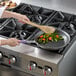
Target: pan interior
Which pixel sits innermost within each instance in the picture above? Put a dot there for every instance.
(55, 45)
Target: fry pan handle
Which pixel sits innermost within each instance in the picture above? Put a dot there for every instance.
(27, 42)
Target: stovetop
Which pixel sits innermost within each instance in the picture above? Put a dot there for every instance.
(11, 27)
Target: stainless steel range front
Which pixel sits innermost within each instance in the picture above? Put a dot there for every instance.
(29, 59)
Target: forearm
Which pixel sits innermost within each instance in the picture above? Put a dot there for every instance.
(8, 14)
(10, 42)
(3, 42)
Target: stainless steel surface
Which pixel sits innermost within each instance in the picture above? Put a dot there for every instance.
(67, 66)
(20, 48)
(5, 71)
(36, 52)
(68, 6)
(42, 58)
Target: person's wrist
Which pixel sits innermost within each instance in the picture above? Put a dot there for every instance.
(0, 42)
(4, 42)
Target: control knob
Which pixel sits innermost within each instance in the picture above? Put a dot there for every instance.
(47, 70)
(1, 55)
(12, 60)
(32, 65)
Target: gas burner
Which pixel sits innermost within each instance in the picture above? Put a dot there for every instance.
(34, 13)
(12, 28)
(60, 17)
(36, 18)
(8, 24)
(20, 34)
(70, 28)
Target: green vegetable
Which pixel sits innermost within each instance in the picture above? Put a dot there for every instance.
(45, 38)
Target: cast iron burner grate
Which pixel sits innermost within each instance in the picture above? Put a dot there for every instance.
(12, 28)
(60, 17)
(2, 20)
(36, 14)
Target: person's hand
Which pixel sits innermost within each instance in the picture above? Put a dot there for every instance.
(12, 42)
(20, 17)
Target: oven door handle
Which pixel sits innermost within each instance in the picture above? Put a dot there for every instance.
(6, 65)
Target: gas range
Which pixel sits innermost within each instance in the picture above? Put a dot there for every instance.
(39, 15)
(29, 58)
